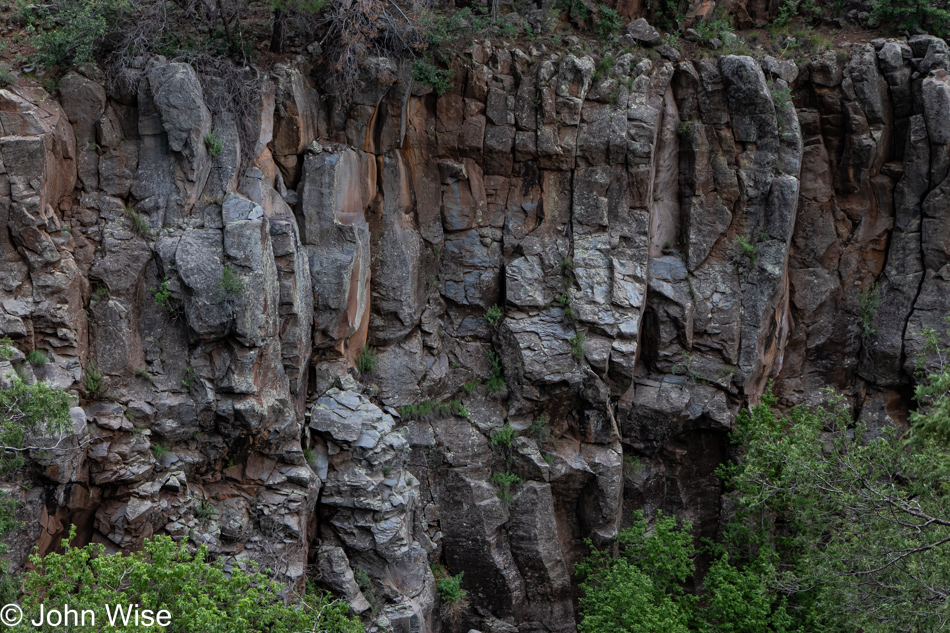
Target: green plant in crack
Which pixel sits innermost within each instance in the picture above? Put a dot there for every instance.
(868, 303)
(93, 381)
(204, 511)
(540, 428)
(504, 436)
(213, 144)
(577, 345)
(163, 296)
(231, 285)
(366, 360)
(747, 248)
(496, 383)
(504, 481)
(188, 376)
(493, 315)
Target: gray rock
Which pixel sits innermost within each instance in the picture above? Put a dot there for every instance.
(641, 32)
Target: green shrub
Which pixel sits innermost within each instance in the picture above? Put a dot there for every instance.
(504, 436)
(539, 427)
(496, 383)
(781, 97)
(139, 225)
(205, 510)
(159, 451)
(746, 248)
(188, 376)
(450, 588)
(36, 357)
(6, 348)
(493, 315)
(366, 586)
(25, 409)
(366, 360)
(868, 303)
(911, 14)
(577, 345)
(231, 285)
(7, 76)
(163, 296)
(505, 481)
(607, 23)
(213, 144)
(426, 73)
(417, 411)
(100, 293)
(603, 67)
(470, 386)
(68, 32)
(93, 381)
(164, 575)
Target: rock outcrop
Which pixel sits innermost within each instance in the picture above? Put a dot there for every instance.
(550, 275)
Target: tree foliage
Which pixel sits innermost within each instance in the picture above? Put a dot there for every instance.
(200, 596)
(642, 590)
(837, 527)
(930, 15)
(856, 517)
(26, 409)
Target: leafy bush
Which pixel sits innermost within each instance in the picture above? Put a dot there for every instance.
(139, 225)
(746, 248)
(213, 144)
(426, 73)
(205, 510)
(231, 284)
(539, 427)
(607, 23)
(642, 590)
(493, 315)
(470, 386)
(868, 303)
(93, 381)
(454, 598)
(781, 97)
(164, 575)
(160, 451)
(26, 409)
(163, 296)
(7, 76)
(911, 14)
(68, 32)
(504, 436)
(504, 481)
(450, 588)
(366, 360)
(6, 348)
(36, 357)
(496, 383)
(577, 345)
(366, 586)
(856, 519)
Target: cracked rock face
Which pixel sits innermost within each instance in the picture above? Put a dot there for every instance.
(472, 329)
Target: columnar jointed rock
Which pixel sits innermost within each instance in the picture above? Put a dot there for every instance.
(567, 276)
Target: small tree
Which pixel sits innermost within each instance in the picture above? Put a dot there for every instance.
(199, 595)
(26, 409)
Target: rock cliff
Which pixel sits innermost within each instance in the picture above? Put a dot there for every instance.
(610, 264)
